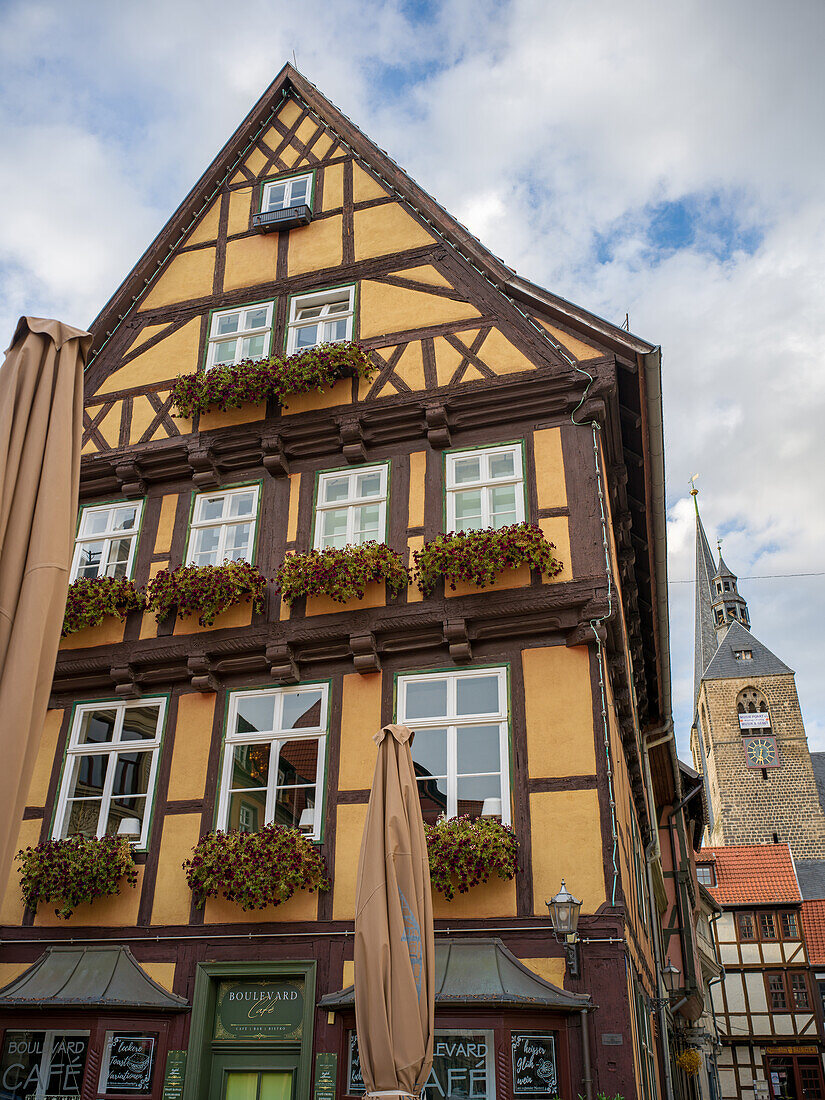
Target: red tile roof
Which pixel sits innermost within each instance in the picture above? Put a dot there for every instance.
(752, 874)
(813, 925)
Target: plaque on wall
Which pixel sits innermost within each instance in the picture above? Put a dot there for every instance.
(534, 1063)
(130, 1062)
(326, 1076)
(269, 1008)
(175, 1075)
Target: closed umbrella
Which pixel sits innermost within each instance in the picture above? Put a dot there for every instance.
(41, 410)
(394, 948)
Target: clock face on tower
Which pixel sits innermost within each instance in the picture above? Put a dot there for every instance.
(761, 752)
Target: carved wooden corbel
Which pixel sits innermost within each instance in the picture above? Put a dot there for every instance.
(282, 664)
(364, 653)
(438, 427)
(204, 470)
(457, 638)
(127, 472)
(273, 455)
(200, 672)
(352, 439)
(124, 680)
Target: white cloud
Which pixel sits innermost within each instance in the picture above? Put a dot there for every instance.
(554, 130)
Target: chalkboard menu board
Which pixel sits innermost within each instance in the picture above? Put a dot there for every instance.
(534, 1063)
(326, 1076)
(130, 1062)
(175, 1075)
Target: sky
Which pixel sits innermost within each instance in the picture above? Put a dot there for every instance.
(663, 162)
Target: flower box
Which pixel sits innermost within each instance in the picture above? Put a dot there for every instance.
(71, 872)
(205, 590)
(90, 599)
(465, 852)
(341, 574)
(478, 557)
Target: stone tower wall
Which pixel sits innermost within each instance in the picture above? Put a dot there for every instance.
(748, 808)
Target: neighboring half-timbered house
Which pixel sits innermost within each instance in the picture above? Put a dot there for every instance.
(542, 700)
(765, 1006)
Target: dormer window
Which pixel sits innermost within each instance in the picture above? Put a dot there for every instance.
(237, 334)
(285, 194)
(324, 317)
(743, 654)
(706, 874)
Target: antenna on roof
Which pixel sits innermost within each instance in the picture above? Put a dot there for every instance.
(294, 60)
(626, 325)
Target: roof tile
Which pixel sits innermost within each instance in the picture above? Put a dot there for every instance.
(813, 924)
(752, 874)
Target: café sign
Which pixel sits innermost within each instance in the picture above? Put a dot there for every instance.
(264, 1009)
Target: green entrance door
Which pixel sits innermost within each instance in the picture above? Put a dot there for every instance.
(252, 1077)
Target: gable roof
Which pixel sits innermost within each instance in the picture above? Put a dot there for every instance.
(289, 82)
(813, 925)
(752, 874)
(725, 666)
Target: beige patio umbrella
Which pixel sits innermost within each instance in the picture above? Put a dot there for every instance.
(41, 410)
(394, 948)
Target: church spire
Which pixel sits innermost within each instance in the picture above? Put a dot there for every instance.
(705, 640)
(728, 606)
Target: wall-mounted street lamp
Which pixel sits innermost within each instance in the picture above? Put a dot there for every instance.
(564, 912)
(670, 977)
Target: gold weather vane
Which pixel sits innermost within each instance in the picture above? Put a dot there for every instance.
(692, 483)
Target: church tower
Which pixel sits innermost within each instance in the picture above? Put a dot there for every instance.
(748, 738)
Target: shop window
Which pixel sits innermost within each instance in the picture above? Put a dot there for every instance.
(485, 488)
(237, 334)
(43, 1065)
(461, 746)
(463, 1066)
(106, 540)
(128, 1063)
(111, 763)
(324, 317)
(351, 507)
(223, 527)
(273, 760)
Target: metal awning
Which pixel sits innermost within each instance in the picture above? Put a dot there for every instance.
(88, 977)
(482, 972)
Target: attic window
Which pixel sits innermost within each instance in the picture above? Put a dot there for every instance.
(706, 874)
(285, 194)
(743, 654)
(325, 317)
(237, 334)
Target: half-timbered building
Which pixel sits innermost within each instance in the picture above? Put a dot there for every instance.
(542, 700)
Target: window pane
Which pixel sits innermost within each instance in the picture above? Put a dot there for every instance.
(210, 508)
(97, 727)
(95, 522)
(334, 527)
(503, 499)
(503, 519)
(124, 808)
(746, 929)
(335, 489)
(206, 541)
(132, 773)
(88, 563)
(224, 351)
(425, 699)
(238, 541)
(250, 766)
(367, 523)
(302, 710)
(340, 305)
(468, 509)
(276, 1085)
(256, 714)
(89, 776)
(140, 724)
(246, 812)
(477, 695)
(241, 1086)
(429, 753)
(335, 330)
(83, 818)
(27, 1071)
(478, 749)
(290, 803)
(307, 312)
(298, 762)
(307, 337)
(472, 793)
(368, 485)
(241, 504)
(767, 926)
(124, 519)
(275, 196)
(118, 557)
(502, 464)
(256, 318)
(789, 925)
(253, 346)
(298, 191)
(227, 323)
(466, 469)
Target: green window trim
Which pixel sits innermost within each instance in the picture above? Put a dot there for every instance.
(354, 469)
(451, 451)
(256, 483)
(139, 502)
(232, 309)
(284, 177)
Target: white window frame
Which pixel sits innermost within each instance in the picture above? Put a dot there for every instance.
(453, 722)
(351, 502)
(241, 334)
(196, 524)
(319, 298)
(274, 738)
(288, 202)
(108, 536)
(485, 482)
(109, 748)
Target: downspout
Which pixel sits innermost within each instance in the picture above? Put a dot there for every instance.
(651, 851)
(686, 956)
(587, 1076)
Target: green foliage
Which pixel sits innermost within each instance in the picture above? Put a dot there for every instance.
(340, 574)
(464, 853)
(74, 871)
(279, 377)
(90, 599)
(478, 557)
(206, 590)
(255, 870)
